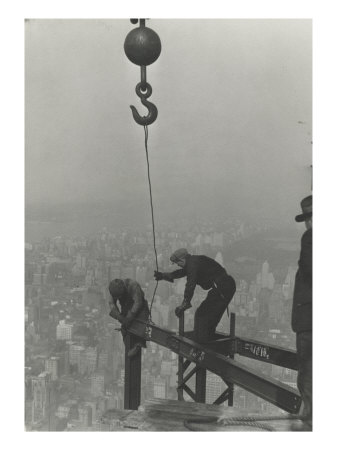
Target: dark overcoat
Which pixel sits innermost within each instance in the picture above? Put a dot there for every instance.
(301, 319)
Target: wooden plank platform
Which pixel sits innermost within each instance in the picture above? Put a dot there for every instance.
(169, 415)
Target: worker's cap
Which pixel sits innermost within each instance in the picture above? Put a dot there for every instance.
(306, 205)
(179, 254)
(116, 288)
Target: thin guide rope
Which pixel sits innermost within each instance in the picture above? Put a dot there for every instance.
(152, 215)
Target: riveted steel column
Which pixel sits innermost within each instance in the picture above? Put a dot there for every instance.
(181, 362)
(133, 374)
(232, 335)
(200, 385)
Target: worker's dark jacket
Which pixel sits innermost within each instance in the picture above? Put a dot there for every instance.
(200, 270)
(133, 302)
(302, 303)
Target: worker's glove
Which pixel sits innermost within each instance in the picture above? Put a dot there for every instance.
(115, 314)
(163, 276)
(158, 275)
(179, 311)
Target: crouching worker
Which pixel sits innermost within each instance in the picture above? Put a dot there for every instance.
(211, 276)
(132, 305)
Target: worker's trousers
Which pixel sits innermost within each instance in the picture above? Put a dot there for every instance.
(143, 315)
(304, 374)
(211, 310)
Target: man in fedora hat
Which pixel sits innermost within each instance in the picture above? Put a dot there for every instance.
(211, 276)
(301, 320)
(132, 303)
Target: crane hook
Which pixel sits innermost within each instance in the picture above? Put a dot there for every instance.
(153, 111)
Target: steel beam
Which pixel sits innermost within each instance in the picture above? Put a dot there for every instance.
(190, 393)
(222, 398)
(234, 372)
(200, 384)
(187, 377)
(271, 354)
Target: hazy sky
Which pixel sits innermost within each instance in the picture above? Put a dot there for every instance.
(234, 123)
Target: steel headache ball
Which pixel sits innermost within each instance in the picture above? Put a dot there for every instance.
(142, 46)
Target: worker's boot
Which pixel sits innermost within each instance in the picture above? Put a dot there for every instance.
(134, 351)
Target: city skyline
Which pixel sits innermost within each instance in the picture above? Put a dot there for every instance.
(74, 356)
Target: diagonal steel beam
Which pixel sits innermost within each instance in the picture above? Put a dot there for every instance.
(222, 398)
(190, 392)
(234, 372)
(188, 376)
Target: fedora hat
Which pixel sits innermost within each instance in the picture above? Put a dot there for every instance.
(306, 205)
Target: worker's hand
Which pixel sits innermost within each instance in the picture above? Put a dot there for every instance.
(179, 311)
(115, 314)
(158, 275)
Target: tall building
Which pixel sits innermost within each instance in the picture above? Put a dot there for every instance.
(41, 389)
(64, 331)
(214, 387)
(219, 259)
(85, 415)
(289, 283)
(37, 279)
(52, 367)
(98, 384)
(88, 360)
(271, 281)
(75, 354)
(265, 275)
(159, 388)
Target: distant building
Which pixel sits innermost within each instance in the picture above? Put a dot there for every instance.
(159, 388)
(75, 354)
(52, 367)
(214, 387)
(85, 415)
(265, 275)
(64, 331)
(87, 360)
(41, 387)
(98, 384)
(219, 259)
(37, 279)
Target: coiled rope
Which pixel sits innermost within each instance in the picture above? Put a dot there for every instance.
(247, 421)
(152, 215)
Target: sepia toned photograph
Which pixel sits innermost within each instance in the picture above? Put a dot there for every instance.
(168, 225)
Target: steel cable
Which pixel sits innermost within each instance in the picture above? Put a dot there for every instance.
(152, 215)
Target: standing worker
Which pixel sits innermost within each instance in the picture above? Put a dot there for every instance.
(301, 320)
(132, 304)
(207, 273)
